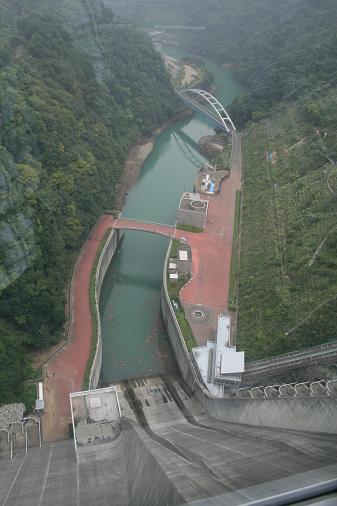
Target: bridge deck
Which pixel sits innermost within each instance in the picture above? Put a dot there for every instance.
(145, 226)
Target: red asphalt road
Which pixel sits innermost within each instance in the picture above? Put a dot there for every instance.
(212, 249)
(64, 373)
(211, 264)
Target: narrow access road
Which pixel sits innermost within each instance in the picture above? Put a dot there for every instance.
(212, 253)
(64, 372)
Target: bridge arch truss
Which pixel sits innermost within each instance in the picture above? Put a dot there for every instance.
(216, 107)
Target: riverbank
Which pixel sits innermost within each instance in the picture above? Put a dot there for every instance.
(130, 174)
(137, 157)
(65, 371)
(182, 74)
(60, 374)
(131, 346)
(208, 290)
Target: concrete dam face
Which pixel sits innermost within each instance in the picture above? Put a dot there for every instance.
(167, 449)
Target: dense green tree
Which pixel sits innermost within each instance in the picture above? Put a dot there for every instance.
(77, 89)
(14, 365)
(279, 49)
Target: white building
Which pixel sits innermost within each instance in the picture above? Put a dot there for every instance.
(220, 365)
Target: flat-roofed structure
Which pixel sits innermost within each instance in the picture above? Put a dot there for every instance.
(219, 364)
(39, 402)
(94, 415)
(229, 363)
(204, 360)
(184, 258)
(192, 210)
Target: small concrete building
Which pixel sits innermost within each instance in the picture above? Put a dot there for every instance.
(94, 414)
(184, 258)
(192, 210)
(172, 269)
(229, 363)
(219, 364)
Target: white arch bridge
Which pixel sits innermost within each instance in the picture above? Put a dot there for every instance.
(208, 105)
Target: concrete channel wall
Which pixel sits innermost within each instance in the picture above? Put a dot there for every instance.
(105, 258)
(147, 482)
(182, 355)
(310, 414)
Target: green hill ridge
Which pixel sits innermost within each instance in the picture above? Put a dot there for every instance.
(77, 89)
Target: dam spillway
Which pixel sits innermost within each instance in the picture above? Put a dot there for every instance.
(168, 449)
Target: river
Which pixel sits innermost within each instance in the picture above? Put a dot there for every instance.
(134, 342)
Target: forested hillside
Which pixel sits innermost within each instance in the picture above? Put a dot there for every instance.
(277, 49)
(77, 89)
(286, 54)
(79, 85)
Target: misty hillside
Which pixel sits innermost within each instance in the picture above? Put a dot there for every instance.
(80, 84)
(277, 49)
(77, 89)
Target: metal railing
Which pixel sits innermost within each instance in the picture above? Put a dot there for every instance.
(316, 389)
(292, 359)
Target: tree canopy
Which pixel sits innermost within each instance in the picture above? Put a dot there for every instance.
(77, 89)
(278, 49)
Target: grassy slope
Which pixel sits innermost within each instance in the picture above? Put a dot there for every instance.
(288, 211)
(174, 288)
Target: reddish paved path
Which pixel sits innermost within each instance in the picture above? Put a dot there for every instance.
(211, 259)
(64, 373)
(212, 263)
(212, 251)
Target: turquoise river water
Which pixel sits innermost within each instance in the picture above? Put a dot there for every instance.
(134, 342)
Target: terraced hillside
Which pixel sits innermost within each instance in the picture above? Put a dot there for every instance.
(288, 283)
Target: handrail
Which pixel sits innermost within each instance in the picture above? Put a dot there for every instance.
(144, 222)
(308, 353)
(99, 336)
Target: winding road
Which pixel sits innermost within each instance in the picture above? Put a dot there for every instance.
(64, 371)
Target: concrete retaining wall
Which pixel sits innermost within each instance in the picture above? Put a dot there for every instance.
(176, 338)
(148, 484)
(105, 258)
(310, 414)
